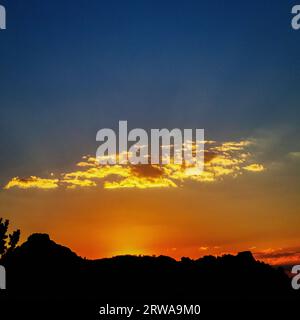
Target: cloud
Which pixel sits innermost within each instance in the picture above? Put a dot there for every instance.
(73, 183)
(221, 160)
(233, 145)
(203, 248)
(279, 256)
(147, 170)
(32, 182)
(140, 183)
(255, 167)
(294, 155)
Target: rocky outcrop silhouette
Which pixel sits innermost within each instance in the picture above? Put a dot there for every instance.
(42, 268)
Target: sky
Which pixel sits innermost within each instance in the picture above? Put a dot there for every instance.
(70, 68)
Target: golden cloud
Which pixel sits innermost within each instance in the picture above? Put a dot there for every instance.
(73, 183)
(140, 183)
(227, 159)
(255, 167)
(32, 182)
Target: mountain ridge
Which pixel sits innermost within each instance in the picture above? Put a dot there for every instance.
(41, 267)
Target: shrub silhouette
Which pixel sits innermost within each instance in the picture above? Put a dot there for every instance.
(8, 242)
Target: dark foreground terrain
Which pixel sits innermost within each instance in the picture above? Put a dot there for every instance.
(42, 275)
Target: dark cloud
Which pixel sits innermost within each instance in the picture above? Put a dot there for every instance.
(147, 170)
(208, 156)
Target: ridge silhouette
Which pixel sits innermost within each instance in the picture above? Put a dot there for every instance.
(42, 268)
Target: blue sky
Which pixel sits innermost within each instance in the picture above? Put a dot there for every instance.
(69, 68)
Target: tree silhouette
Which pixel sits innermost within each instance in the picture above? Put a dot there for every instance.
(8, 242)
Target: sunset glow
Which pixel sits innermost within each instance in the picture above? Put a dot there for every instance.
(70, 70)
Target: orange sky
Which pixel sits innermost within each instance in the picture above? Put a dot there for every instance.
(185, 65)
(236, 205)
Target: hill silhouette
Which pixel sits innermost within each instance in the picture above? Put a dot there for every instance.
(42, 268)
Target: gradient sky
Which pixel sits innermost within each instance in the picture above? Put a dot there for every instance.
(70, 68)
